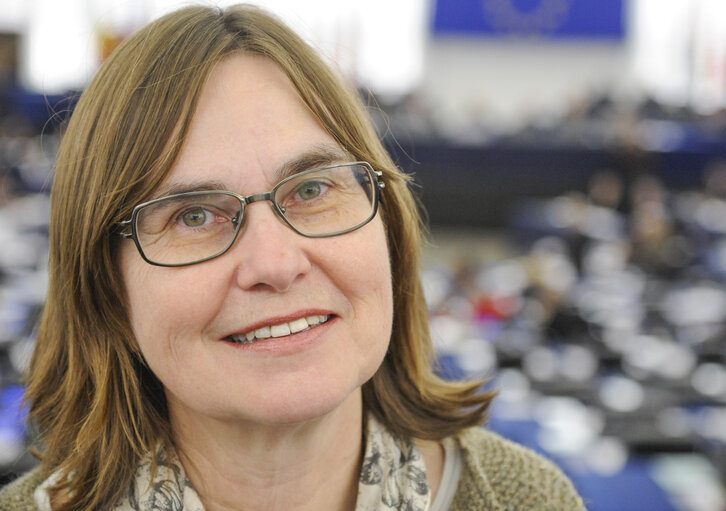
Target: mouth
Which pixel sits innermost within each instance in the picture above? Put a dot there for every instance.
(280, 329)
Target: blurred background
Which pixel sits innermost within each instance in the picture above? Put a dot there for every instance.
(571, 158)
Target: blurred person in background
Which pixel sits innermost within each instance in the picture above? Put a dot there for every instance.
(201, 351)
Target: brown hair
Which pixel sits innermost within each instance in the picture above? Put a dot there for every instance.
(96, 406)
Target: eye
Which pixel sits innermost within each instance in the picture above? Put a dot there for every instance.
(194, 217)
(310, 190)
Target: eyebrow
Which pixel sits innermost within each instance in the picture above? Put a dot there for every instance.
(193, 186)
(318, 156)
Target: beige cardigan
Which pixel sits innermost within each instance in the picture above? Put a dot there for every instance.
(497, 475)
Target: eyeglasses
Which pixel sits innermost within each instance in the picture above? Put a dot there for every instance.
(193, 227)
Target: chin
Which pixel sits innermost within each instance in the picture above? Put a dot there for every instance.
(302, 409)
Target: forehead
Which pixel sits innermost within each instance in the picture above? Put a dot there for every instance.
(249, 123)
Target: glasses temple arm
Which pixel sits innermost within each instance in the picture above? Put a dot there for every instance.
(120, 229)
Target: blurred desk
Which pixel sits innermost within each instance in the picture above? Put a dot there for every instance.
(630, 489)
(478, 185)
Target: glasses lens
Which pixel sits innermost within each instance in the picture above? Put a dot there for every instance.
(328, 201)
(181, 229)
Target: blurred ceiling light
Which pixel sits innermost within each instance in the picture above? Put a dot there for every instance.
(377, 45)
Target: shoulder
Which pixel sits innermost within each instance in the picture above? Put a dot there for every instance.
(18, 494)
(501, 474)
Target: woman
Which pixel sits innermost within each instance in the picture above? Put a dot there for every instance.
(202, 351)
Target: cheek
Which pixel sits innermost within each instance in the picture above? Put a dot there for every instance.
(364, 267)
(367, 283)
(142, 300)
(161, 305)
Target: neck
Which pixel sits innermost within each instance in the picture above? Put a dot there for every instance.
(250, 467)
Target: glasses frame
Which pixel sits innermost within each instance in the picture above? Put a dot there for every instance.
(375, 175)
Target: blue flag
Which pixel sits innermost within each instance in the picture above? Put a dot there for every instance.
(581, 19)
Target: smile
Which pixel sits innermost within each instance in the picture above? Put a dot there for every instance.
(280, 330)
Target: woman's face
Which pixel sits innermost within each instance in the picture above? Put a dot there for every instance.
(250, 123)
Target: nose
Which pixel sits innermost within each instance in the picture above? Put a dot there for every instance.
(268, 254)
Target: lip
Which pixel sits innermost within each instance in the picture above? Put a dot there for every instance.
(288, 344)
(276, 320)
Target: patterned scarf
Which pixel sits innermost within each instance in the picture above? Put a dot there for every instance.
(393, 477)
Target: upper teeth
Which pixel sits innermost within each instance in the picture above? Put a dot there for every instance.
(280, 330)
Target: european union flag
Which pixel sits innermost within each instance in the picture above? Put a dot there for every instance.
(591, 19)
